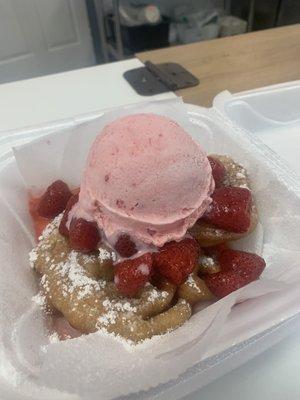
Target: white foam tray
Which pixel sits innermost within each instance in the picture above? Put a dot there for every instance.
(272, 115)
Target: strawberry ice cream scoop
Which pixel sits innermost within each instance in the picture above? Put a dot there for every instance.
(147, 177)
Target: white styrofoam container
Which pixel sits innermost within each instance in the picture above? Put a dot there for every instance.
(268, 114)
(271, 114)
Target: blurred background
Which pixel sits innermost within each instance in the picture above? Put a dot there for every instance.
(39, 37)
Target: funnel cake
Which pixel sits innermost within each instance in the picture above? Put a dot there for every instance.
(81, 288)
(206, 233)
(128, 255)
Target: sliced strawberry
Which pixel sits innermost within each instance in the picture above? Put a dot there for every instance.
(125, 246)
(223, 283)
(63, 230)
(54, 200)
(248, 265)
(230, 209)
(132, 275)
(39, 223)
(238, 269)
(176, 260)
(84, 235)
(218, 171)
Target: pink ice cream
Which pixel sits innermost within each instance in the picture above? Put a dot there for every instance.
(147, 177)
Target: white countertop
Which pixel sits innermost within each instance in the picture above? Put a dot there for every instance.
(61, 96)
(271, 376)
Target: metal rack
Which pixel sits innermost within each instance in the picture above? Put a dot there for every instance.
(115, 49)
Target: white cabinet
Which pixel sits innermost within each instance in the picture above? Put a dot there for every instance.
(39, 37)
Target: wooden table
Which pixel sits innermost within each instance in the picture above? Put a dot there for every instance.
(235, 63)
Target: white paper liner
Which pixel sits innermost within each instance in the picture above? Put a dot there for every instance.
(97, 365)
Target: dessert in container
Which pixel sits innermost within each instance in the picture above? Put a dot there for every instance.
(96, 365)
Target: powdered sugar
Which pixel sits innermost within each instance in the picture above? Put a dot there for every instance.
(78, 280)
(45, 283)
(72, 276)
(235, 174)
(87, 258)
(109, 318)
(51, 227)
(113, 309)
(105, 255)
(39, 299)
(128, 344)
(33, 256)
(207, 261)
(191, 282)
(155, 294)
(143, 269)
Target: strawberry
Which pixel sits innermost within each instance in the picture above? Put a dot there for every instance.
(125, 246)
(218, 171)
(223, 283)
(230, 209)
(176, 260)
(238, 269)
(63, 230)
(131, 275)
(54, 200)
(248, 265)
(84, 235)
